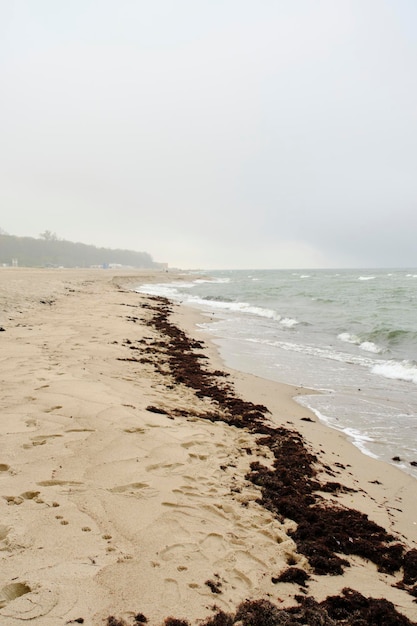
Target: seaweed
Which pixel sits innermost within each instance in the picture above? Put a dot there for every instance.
(292, 575)
(290, 489)
(350, 608)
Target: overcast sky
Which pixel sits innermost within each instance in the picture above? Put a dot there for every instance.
(213, 133)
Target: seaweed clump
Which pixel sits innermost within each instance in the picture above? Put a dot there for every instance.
(292, 575)
(409, 581)
(350, 608)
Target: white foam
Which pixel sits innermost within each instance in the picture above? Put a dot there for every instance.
(172, 292)
(165, 290)
(238, 307)
(316, 351)
(366, 278)
(369, 346)
(360, 440)
(357, 438)
(396, 370)
(216, 281)
(256, 310)
(289, 322)
(348, 338)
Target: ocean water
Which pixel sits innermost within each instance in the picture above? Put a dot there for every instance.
(350, 334)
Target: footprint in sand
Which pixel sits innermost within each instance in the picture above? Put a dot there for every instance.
(42, 437)
(178, 551)
(28, 446)
(30, 495)
(163, 469)
(53, 408)
(214, 545)
(138, 430)
(192, 447)
(53, 483)
(171, 594)
(79, 430)
(72, 485)
(21, 602)
(189, 490)
(240, 578)
(11, 592)
(4, 531)
(4, 467)
(221, 450)
(39, 440)
(199, 457)
(26, 495)
(13, 499)
(137, 490)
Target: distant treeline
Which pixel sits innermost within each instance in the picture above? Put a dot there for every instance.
(49, 251)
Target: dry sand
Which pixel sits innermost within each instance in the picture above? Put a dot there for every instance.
(109, 508)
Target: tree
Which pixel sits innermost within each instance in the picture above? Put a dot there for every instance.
(48, 236)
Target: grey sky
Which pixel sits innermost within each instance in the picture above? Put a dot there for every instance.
(233, 133)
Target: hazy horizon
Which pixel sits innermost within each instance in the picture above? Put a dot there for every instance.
(226, 269)
(214, 135)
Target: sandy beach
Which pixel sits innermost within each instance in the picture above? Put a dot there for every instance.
(140, 479)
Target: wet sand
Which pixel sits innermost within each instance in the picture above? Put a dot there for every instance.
(141, 479)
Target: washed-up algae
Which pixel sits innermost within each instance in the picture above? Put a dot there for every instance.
(290, 490)
(348, 609)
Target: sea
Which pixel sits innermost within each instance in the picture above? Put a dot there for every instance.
(349, 334)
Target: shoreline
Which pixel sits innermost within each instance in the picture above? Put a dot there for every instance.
(147, 499)
(382, 487)
(356, 438)
(357, 394)
(293, 391)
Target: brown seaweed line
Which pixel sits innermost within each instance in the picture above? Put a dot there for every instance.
(350, 608)
(288, 490)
